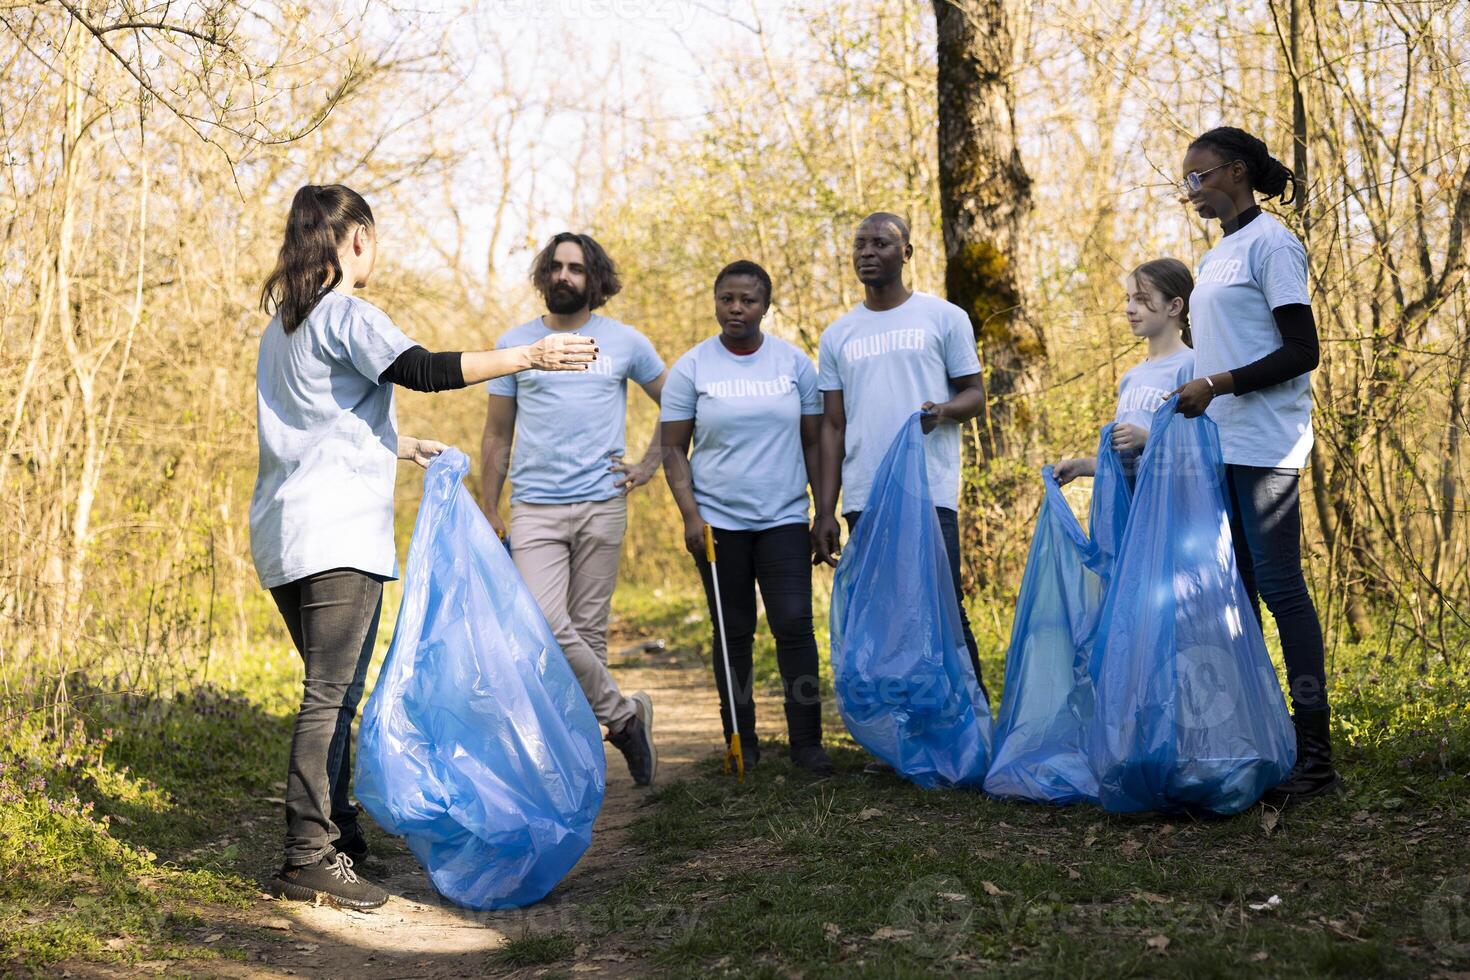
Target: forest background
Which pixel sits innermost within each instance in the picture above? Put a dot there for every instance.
(148, 153)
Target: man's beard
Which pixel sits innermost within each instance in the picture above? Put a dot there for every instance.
(562, 300)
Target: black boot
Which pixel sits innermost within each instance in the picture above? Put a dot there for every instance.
(812, 760)
(750, 749)
(804, 731)
(1313, 774)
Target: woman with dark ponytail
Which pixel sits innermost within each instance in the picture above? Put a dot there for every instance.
(1255, 345)
(321, 519)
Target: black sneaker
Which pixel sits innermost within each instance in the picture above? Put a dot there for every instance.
(812, 759)
(351, 842)
(330, 880)
(635, 741)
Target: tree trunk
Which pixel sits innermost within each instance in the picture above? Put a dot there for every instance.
(985, 195)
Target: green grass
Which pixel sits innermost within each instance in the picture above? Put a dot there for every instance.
(874, 877)
(103, 830)
(534, 949)
(134, 836)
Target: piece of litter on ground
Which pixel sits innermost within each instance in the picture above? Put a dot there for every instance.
(954, 896)
(832, 930)
(213, 937)
(992, 889)
(1274, 902)
(1159, 943)
(870, 813)
(888, 932)
(281, 925)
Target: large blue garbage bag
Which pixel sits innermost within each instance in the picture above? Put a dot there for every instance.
(1188, 713)
(1040, 734)
(477, 746)
(900, 669)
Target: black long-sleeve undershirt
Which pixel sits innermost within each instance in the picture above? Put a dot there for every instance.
(420, 370)
(1299, 352)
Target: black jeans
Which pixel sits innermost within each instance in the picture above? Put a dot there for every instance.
(1266, 523)
(333, 619)
(780, 560)
(949, 525)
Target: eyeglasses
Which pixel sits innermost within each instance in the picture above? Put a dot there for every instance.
(1194, 180)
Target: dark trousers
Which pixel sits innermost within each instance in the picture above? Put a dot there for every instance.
(949, 526)
(333, 619)
(779, 560)
(1266, 523)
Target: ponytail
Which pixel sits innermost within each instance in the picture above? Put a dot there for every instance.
(1267, 174)
(307, 267)
(1173, 279)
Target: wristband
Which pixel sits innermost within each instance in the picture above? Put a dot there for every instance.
(1211, 382)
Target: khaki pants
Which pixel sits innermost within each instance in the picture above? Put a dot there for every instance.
(568, 554)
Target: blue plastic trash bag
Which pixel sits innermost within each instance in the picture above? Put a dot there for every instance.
(900, 668)
(1188, 713)
(1040, 735)
(477, 746)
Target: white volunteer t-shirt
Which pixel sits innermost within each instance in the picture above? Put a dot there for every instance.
(748, 465)
(1238, 283)
(328, 444)
(887, 365)
(570, 424)
(1146, 386)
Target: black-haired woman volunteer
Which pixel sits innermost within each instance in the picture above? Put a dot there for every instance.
(1255, 344)
(749, 403)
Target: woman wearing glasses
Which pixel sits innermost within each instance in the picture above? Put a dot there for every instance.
(1255, 345)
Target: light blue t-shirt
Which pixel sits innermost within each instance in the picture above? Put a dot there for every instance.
(328, 444)
(887, 365)
(1144, 387)
(569, 424)
(1238, 283)
(747, 462)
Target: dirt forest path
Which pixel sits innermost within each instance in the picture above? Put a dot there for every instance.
(418, 934)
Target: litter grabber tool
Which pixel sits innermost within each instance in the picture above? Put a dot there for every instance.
(733, 757)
